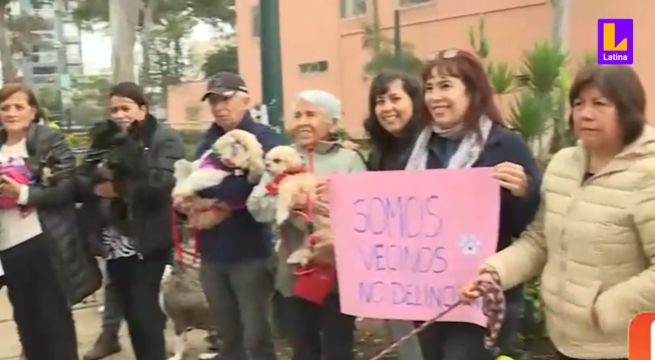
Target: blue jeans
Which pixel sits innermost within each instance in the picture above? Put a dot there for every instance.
(112, 316)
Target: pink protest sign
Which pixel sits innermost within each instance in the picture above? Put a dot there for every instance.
(407, 241)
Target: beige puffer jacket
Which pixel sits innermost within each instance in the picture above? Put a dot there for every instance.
(593, 243)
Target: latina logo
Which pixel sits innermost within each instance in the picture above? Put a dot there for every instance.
(615, 41)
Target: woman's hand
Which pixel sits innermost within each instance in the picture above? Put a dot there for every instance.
(105, 189)
(512, 177)
(10, 188)
(470, 291)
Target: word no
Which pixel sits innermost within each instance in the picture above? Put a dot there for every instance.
(397, 293)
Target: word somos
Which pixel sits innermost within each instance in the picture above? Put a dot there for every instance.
(398, 216)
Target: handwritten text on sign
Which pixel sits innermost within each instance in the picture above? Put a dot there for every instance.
(407, 241)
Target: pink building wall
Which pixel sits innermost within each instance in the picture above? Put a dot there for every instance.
(184, 109)
(313, 30)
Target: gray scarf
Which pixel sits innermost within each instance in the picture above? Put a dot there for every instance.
(467, 153)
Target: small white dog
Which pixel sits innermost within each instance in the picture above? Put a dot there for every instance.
(285, 166)
(283, 160)
(237, 152)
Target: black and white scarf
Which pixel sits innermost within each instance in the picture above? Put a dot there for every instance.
(467, 153)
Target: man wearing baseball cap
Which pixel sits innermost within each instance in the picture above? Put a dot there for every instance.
(235, 272)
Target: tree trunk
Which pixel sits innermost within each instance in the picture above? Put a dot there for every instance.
(123, 19)
(146, 39)
(561, 11)
(9, 71)
(376, 25)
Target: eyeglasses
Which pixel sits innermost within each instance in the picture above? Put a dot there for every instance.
(445, 54)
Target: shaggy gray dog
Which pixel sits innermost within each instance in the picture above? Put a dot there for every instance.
(185, 304)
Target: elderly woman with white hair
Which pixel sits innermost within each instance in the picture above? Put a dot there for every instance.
(320, 330)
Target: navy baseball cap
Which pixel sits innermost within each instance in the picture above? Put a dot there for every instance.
(225, 84)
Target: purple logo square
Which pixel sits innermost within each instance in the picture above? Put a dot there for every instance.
(615, 41)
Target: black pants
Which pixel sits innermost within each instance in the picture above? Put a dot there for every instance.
(453, 341)
(41, 311)
(322, 332)
(137, 283)
(561, 356)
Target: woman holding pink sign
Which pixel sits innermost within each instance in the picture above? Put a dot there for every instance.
(465, 130)
(593, 241)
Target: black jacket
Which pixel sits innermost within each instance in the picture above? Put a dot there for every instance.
(515, 213)
(55, 205)
(148, 195)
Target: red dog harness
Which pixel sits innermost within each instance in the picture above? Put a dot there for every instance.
(273, 186)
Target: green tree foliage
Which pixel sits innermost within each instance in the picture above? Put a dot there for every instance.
(383, 53)
(91, 12)
(481, 48)
(16, 36)
(90, 96)
(214, 12)
(222, 59)
(49, 99)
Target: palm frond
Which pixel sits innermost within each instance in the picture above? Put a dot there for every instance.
(527, 115)
(542, 66)
(501, 76)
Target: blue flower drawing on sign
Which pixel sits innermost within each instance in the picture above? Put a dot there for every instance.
(469, 244)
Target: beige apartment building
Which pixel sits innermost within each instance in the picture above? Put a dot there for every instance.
(322, 43)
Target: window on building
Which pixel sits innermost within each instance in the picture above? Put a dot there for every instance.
(75, 70)
(44, 70)
(41, 57)
(353, 8)
(73, 54)
(256, 21)
(193, 113)
(71, 33)
(313, 67)
(408, 3)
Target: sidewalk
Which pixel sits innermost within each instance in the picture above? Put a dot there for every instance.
(87, 320)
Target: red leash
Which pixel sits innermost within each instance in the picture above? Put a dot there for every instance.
(176, 238)
(179, 252)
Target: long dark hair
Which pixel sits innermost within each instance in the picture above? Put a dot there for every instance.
(465, 66)
(380, 138)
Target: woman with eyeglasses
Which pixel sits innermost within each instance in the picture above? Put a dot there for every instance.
(465, 130)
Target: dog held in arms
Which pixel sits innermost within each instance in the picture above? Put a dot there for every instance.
(288, 181)
(237, 153)
(117, 157)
